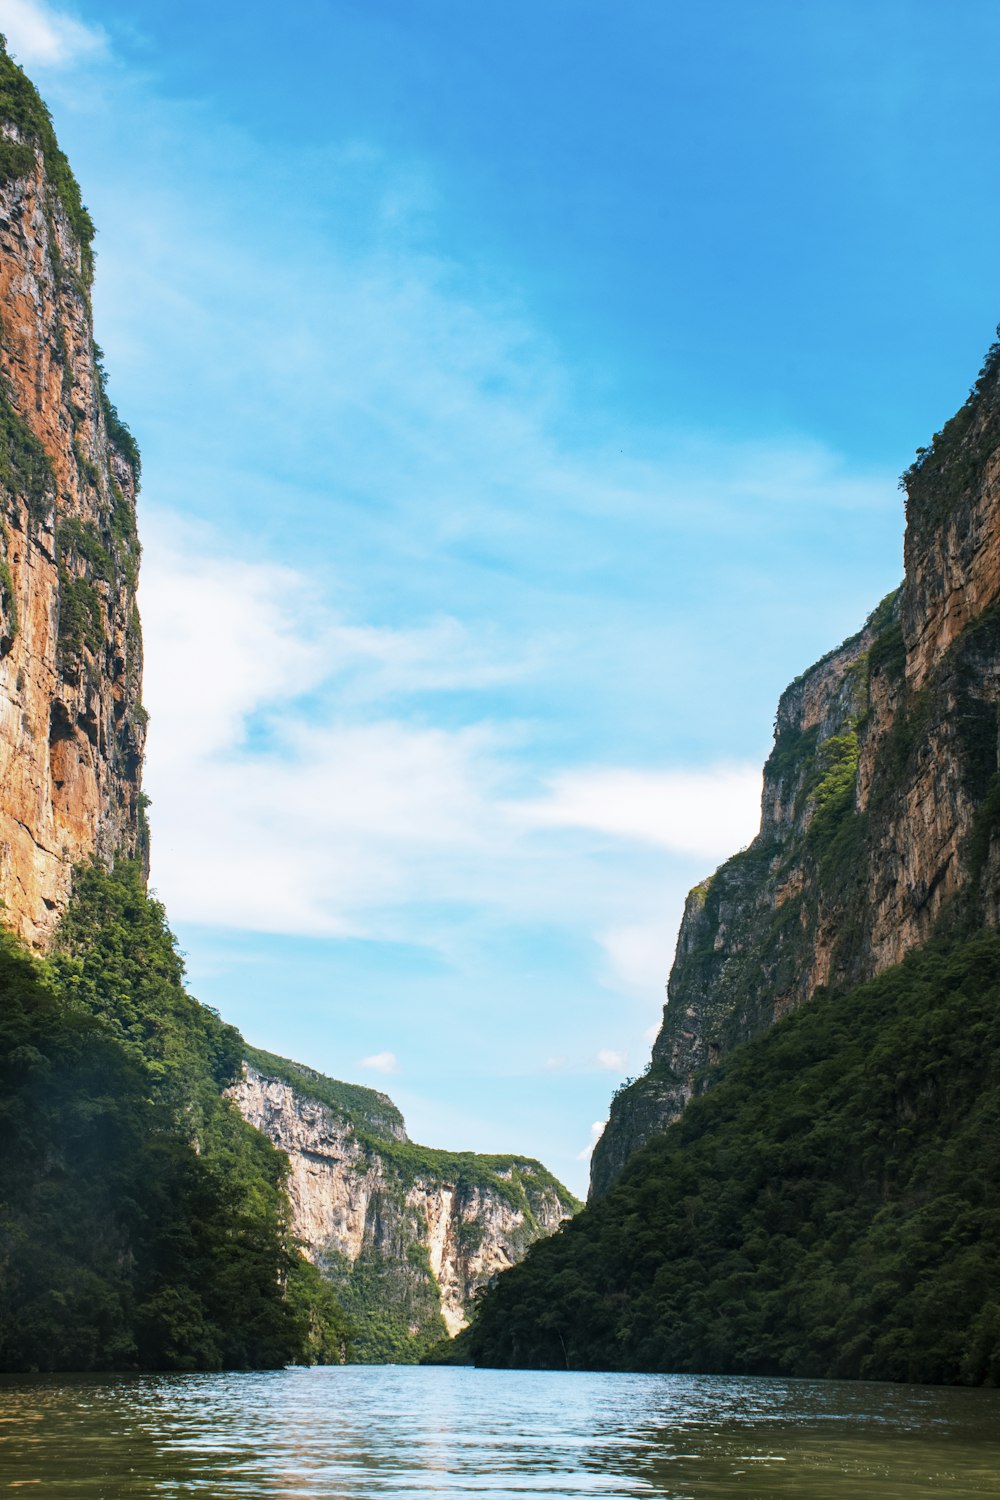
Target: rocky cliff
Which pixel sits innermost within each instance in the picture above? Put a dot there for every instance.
(880, 796)
(71, 724)
(112, 1077)
(406, 1235)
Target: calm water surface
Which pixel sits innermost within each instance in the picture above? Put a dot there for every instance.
(407, 1433)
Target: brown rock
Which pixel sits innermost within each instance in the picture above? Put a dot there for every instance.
(71, 726)
(877, 826)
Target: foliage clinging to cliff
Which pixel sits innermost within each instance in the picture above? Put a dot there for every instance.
(378, 1125)
(945, 472)
(357, 1104)
(143, 1223)
(25, 468)
(22, 106)
(119, 434)
(830, 1208)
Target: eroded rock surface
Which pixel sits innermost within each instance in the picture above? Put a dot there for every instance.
(72, 729)
(880, 800)
(390, 1221)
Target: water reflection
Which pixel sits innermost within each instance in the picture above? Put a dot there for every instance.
(384, 1432)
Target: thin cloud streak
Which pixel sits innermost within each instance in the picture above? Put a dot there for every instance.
(380, 1062)
(284, 805)
(706, 813)
(41, 36)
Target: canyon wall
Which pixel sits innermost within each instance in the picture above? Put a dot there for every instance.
(72, 728)
(407, 1235)
(880, 800)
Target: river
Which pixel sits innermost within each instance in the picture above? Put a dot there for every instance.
(381, 1431)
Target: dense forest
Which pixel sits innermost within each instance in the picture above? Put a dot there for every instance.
(830, 1207)
(143, 1223)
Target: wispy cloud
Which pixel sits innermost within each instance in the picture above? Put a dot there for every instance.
(635, 953)
(380, 1062)
(471, 659)
(41, 36)
(705, 812)
(610, 1058)
(300, 787)
(596, 1131)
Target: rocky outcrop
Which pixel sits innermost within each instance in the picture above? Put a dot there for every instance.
(71, 725)
(406, 1234)
(879, 816)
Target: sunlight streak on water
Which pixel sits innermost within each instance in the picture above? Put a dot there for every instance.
(403, 1433)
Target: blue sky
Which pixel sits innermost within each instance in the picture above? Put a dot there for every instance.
(522, 391)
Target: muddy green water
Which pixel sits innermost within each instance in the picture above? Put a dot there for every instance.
(397, 1432)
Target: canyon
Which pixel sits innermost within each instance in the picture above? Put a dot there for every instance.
(405, 1235)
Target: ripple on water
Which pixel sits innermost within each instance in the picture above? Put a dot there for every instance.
(381, 1431)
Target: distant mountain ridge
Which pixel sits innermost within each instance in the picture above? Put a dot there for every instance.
(405, 1234)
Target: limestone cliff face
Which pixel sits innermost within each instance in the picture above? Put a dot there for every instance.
(880, 800)
(406, 1234)
(71, 724)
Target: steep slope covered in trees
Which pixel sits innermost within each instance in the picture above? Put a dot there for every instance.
(143, 1223)
(805, 1180)
(829, 1208)
(875, 816)
(405, 1234)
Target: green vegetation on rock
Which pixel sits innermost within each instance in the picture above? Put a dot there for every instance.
(378, 1126)
(22, 106)
(393, 1303)
(119, 435)
(82, 540)
(143, 1223)
(390, 1292)
(362, 1107)
(831, 1207)
(9, 622)
(25, 469)
(951, 467)
(81, 616)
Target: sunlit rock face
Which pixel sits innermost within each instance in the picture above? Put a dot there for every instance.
(362, 1195)
(879, 814)
(72, 728)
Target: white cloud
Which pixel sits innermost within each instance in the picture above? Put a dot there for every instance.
(380, 1062)
(614, 1061)
(277, 809)
(596, 1131)
(708, 812)
(300, 784)
(639, 954)
(227, 638)
(40, 36)
(554, 1064)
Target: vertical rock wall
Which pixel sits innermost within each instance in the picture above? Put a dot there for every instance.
(72, 728)
(879, 820)
(396, 1225)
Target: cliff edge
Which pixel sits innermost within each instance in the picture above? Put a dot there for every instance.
(406, 1235)
(72, 729)
(879, 801)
